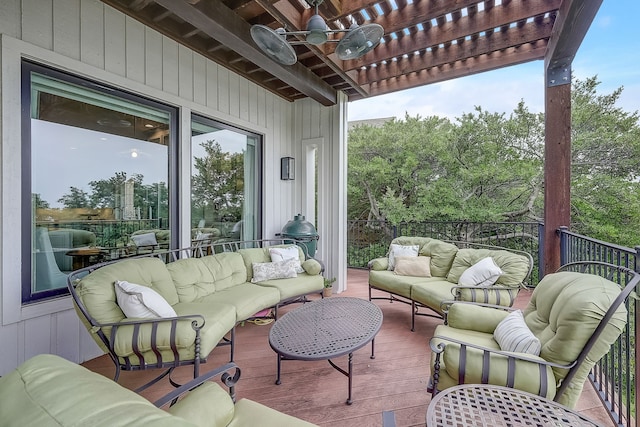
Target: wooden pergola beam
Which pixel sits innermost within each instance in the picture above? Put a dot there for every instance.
(573, 21)
(220, 23)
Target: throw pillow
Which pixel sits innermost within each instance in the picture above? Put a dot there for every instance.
(290, 252)
(483, 273)
(413, 266)
(146, 239)
(401, 250)
(274, 270)
(513, 334)
(141, 301)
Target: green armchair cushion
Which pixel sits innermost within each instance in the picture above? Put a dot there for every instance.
(564, 310)
(527, 376)
(475, 317)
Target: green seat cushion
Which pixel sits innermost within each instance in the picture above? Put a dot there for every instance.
(527, 375)
(48, 390)
(387, 281)
(296, 286)
(250, 413)
(247, 298)
(219, 319)
(432, 293)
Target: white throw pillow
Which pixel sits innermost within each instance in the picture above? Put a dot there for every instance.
(141, 301)
(282, 254)
(483, 273)
(513, 334)
(146, 239)
(274, 270)
(401, 250)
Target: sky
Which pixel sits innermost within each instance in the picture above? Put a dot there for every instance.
(608, 51)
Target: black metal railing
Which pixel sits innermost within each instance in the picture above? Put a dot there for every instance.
(615, 375)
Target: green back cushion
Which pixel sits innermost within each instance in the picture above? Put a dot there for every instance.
(198, 277)
(441, 253)
(514, 266)
(564, 310)
(252, 255)
(97, 288)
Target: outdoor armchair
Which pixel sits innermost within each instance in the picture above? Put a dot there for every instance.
(575, 314)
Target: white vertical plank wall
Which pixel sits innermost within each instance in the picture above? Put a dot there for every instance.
(90, 39)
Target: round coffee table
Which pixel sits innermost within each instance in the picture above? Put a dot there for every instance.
(489, 405)
(326, 329)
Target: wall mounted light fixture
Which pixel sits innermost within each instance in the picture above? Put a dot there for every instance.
(287, 168)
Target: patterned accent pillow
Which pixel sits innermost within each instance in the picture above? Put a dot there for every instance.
(513, 334)
(401, 250)
(274, 270)
(142, 302)
(483, 273)
(290, 252)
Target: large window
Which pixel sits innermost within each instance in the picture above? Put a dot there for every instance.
(97, 172)
(225, 183)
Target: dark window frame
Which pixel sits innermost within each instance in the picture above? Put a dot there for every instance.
(29, 296)
(260, 156)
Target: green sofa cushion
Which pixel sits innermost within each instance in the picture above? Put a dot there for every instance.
(200, 408)
(97, 288)
(514, 266)
(296, 286)
(250, 413)
(219, 319)
(47, 390)
(432, 292)
(247, 298)
(312, 267)
(387, 281)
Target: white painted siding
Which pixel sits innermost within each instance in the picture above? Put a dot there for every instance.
(91, 39)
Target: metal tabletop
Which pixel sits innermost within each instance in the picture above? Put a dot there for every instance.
(488, 405)
(326, 329)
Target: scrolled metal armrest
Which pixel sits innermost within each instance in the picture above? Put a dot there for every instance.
(228, 380)
(440, 347)
(197, 321)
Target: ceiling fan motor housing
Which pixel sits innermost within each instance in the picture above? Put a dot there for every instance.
(317, 30)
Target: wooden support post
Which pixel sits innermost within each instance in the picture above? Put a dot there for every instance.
(557, 170)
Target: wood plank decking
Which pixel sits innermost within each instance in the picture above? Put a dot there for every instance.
(395, 380)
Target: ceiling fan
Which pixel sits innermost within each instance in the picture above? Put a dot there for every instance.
(358, 40)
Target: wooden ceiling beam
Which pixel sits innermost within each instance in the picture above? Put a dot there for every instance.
(492, 61)
(481, 21)
(222, 24)
(529, 33)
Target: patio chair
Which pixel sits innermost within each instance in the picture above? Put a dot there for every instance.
(574, 315)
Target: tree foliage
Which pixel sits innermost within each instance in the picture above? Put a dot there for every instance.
(488, 167)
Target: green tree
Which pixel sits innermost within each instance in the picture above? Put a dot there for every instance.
(488, 167)
(219, 181)
(76, 198)
(38, 203)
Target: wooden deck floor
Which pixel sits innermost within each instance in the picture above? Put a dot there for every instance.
(395, 380)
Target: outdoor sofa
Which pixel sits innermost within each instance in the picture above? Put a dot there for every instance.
(48, 390)
(426, 272)
(181, 304)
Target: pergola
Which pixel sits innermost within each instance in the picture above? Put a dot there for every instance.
(424, 42)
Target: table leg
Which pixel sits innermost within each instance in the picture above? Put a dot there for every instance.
(373, 348)
(278, 375)
(349, 401)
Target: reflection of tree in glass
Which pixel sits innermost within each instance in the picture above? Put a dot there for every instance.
(38, 203)
(218, 181)
(76, 198)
